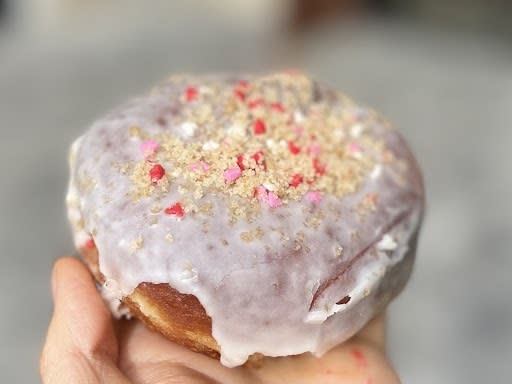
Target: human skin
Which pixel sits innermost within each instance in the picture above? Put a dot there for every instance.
(84, 344)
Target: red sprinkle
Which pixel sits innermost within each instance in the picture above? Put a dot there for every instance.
(175, 209)
(278, 107)
(259, 192)
(297, 179)
(244, 84)
(319, 168)
(255, 103)
(294, 148)
(89, 244)
(259, 159)
(240, 162)
(191, 93)
(259, 127)
(156, 173)
(240, 95)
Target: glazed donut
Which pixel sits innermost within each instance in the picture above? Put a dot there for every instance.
(246, 215)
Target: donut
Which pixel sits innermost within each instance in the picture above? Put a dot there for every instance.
(246, 215)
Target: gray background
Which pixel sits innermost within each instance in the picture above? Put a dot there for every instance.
(449, 92)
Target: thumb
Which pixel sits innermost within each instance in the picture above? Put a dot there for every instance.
(81, 345)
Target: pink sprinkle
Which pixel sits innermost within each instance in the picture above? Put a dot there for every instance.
(273, 200)
(299, 130)
(260, 193)
(148, 148)
(354, 147)
(204, 166)
(267, 197)
(314, 149)
(314, 196)
(231, 174)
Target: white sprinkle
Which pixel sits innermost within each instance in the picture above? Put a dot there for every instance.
(377, 170)
(298, 117)
(270, 143)
(269, 187)
(205, 90)
(339, 134)
(188, 128)
(210, 145)
(356, 130)
(387, 243)
(282, 143)
(237, 129)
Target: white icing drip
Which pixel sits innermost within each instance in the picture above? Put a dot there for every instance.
(112, 295)
(369, 276)
(256, 298)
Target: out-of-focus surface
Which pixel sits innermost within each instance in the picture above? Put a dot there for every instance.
(449, 91)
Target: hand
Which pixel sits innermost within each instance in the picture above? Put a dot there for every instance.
(85, 345)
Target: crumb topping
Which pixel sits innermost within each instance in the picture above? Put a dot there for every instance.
(263, 142)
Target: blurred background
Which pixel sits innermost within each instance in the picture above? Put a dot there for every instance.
(440, 69)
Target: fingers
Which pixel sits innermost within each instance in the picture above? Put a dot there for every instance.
(374, 333)
(80, 346)
(145, 354)
(361, 359)
(351, 362)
